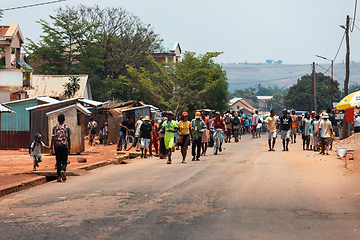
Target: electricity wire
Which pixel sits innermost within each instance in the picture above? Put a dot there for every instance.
(269, 80)
(354, 16)
(32, 5)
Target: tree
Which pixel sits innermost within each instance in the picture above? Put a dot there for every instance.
(300, 96)
(354, 88)
(269, 61)
(99, 42)
(279, 62)
(276, 103)
(72, 86)
(194, 82)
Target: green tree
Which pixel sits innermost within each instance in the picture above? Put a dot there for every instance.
(276, 103)
(300, 96)
(99, 42)
(354, 88)
(194, 82)
(72, 86)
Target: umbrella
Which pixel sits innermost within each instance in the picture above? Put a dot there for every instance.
(355, 100)
(345, 102)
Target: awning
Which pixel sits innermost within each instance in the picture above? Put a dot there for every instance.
(24, 64)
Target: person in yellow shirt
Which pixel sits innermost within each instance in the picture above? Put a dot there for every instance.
(184, 130)
(271, 129)
(294, 126)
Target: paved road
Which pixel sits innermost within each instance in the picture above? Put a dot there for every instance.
(244, 193)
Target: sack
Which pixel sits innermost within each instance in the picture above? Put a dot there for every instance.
(236, 121)
(180, 138)
(227, 120)
(32, 148)
(93, 130)
(61, 135)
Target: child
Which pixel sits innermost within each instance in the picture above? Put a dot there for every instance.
(258, 128)
(101, 135)
(35, 150)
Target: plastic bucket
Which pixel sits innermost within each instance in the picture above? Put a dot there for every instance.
(341, 151)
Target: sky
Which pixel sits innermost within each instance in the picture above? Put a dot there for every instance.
(244, 30)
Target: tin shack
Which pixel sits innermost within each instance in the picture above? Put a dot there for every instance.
(15, 127)
(43, 118)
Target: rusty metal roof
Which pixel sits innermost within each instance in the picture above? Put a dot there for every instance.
(53, 86)
(3, 30)
(9, 32)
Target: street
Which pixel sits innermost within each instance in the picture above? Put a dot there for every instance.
(245, 192)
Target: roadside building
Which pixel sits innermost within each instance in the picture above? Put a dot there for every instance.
(15, 127)
(237, 104)
(263, 102)
(44, 117)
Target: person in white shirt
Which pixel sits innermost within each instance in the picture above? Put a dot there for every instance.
(35, 150)
(357, 124)
(325, 133)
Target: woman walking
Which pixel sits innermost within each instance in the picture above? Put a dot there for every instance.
(184, 133)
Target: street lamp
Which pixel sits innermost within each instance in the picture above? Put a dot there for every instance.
(332, 76)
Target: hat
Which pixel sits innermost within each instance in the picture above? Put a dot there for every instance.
(185, 114)
(141, 117)
(217, 112)
(312, 111)
(38, 135)
(170, 113)
(197, 115)
(147, 118)
(325, 115)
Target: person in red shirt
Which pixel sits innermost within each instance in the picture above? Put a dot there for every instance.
(154, 140)
(218, 123)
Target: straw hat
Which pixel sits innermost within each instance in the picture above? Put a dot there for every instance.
(147, 118)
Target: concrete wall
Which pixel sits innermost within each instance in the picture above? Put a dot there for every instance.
(4, 96)
(11, 78)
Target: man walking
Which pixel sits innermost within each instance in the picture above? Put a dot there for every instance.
(62, 145)
(198, 128)
(285, 125)
(127, 125)
(254, 122)
(294, 126)
(170, 127)
(271, 129)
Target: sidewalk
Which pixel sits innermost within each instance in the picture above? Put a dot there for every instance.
(16, 170)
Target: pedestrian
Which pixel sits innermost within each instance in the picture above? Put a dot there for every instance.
(137, 133)
(258, 128)
(236, 124)
(247, 125)
(357, 123)
(106, 133)
(154, 139)
(228, 122)
(35, 150)
(92, 125)
(325, 133)
(294, 126)
(61, 144)
(198, 127)
(306, 133)
(285, 126)
(204, 141)
(162, 152)
(316, 131)
(145, 136)
(184, 133)
(332, 120)
(271, 129)
(254, 122)
(311, 130)
(218, 123)
(126, 125)
(170, 128)
(101, 135)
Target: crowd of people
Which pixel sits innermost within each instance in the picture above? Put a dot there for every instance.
(315, 129)
(171, 132)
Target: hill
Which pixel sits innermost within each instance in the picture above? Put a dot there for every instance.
(243, 76)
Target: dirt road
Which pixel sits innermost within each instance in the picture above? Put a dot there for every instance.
(243, 193)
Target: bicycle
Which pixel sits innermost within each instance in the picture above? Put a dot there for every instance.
(128, 141)
(217, 139)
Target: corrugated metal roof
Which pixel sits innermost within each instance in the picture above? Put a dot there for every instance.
(135, 108)
(92, 102)
(234, 100)
(53, 85)
(60, 102)
(41, 98)
(19, 121)
(77, 106)
(4, 109)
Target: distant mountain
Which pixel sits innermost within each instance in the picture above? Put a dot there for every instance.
(243, 76)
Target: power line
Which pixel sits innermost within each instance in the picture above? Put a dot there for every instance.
(265, 66)
(342, 40)
(32, 5)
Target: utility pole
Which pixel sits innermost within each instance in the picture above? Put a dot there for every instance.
(332, 83)
(314, 84)
(347, 76)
